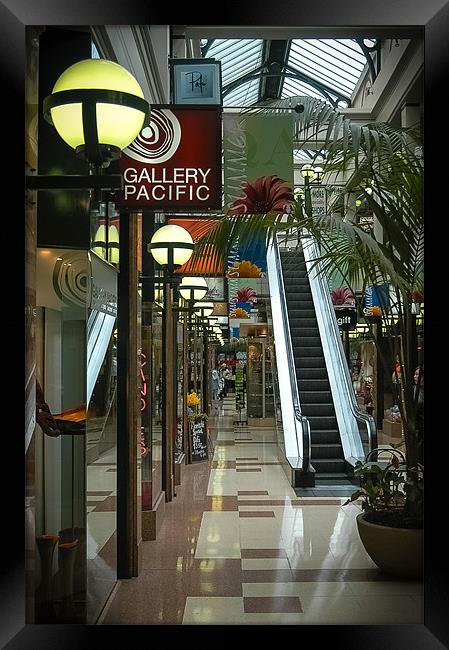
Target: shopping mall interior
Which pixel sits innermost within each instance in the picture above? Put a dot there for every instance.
(224, 328)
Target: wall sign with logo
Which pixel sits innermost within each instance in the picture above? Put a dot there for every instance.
(175, 161)
(196, 81)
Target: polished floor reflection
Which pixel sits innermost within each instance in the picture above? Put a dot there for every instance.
(239, 547)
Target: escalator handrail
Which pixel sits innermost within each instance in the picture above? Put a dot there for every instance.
(355, 409)
(305, 425)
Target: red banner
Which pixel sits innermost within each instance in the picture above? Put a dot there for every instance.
(175, 161)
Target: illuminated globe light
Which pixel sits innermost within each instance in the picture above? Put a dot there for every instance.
(308, 171)
(203, 308)
(99, 243)
(193, 288)
(113, 244)
(171, 246)
(319, 171)
(101, 99)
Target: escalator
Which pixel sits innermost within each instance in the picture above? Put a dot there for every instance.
(321, 430)
(314, 390)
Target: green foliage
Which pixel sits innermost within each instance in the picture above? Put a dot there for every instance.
(193, 418)
(387, 488)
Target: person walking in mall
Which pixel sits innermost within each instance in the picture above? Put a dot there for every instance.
(418, 394)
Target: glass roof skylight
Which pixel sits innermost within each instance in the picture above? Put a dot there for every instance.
(337, 64)
(326, 68)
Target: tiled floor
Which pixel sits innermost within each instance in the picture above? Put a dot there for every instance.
(239, 547)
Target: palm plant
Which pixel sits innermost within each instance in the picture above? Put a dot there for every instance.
(382, 164)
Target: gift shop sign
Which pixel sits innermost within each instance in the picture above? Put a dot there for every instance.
(175, 161)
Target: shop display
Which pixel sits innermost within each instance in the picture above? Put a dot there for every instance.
(392, 422)
(260, 380)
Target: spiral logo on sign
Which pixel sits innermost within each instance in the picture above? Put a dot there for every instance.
(157, 142)
(70, 279)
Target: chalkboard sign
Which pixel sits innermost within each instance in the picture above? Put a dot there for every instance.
(198, 434)
(239, 389)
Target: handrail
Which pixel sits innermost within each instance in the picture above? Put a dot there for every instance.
(359, 415)
(302, 419)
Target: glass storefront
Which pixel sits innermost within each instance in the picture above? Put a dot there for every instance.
(75, 472)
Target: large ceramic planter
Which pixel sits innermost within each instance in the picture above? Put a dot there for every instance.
(397, 551)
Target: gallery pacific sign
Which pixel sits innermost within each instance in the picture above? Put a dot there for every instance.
(175, 161)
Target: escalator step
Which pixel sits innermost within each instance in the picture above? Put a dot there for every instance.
(297, 328)
(322, 422)
(312, 351)
(302, 313)
(325, 437)
(312, 374)
(295, 303)
(303, 362)
(315, 396)
(325, 451)
(318, 409)
(304, 341)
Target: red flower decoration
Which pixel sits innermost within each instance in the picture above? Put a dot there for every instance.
(343, 297)
(245, 295)
(265, 194)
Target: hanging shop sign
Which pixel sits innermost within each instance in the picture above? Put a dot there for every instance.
(376, 299)
(175, 161)
(318, 197)
(346, 318)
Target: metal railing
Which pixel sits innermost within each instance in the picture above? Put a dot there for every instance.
(299, 422)
(344, 390)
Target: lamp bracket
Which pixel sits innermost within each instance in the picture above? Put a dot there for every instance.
(74, 182)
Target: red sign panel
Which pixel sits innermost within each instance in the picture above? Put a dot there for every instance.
(175, 162)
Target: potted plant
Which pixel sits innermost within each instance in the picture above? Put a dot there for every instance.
(381, 165)
(393, 541)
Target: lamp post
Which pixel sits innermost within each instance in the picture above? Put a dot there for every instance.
(191, 290)
(203, 310)
(171, 246)
(308, 173)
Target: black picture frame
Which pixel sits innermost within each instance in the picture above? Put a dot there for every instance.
(195, 81)
(340, 16)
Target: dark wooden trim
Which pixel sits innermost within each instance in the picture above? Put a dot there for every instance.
(127, 405)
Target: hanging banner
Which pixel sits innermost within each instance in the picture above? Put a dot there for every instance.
(258, 178)
(175, 161)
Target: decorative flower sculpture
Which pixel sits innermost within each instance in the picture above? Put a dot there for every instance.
(342, 296)
(238, 313)
(245, 295)
(373, 311)
(265, 194)
(244, 269)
